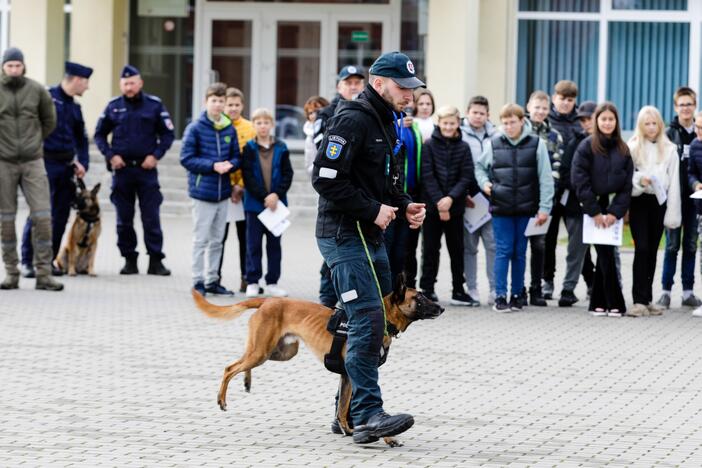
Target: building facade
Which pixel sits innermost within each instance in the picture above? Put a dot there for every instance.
(280, 52)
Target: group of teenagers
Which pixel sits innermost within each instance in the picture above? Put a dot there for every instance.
(553, 161)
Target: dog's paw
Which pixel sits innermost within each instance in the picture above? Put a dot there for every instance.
(92, 274)
(392, 442)
(222, 404)
(72, 273)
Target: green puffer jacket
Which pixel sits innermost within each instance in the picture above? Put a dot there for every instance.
(27, 116)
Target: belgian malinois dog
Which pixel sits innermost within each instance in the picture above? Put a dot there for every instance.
(78, 253)
(279, 323)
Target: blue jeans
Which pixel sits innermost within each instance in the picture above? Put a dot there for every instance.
(510, 246)
(255, 230)
(356, 288)
(688, 232)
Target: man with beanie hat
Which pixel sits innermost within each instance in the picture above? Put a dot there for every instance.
(65, 155)
(27, 116)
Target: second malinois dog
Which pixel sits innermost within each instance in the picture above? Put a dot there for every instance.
(78, 253)
(278, 324)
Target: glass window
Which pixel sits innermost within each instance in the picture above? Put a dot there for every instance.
(67, 30)
(647, 62)
(162, 49)
(308, 1)
(231, 54)
(581, 6)
(413, 34)
(297, 75)
(649, 4)
(359, 43)
(549, 51)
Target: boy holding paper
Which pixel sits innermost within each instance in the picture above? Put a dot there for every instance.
(210, 153)
(267, 177)
(515, 172)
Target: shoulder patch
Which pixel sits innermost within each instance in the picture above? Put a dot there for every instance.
(337, 139)
(153, 98)
(333, 150)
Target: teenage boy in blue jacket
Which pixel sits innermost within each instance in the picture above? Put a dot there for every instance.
(210, 152)
(267, 177)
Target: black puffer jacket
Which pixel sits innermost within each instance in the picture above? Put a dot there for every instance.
(572, 206)
(566, 124)
(597, 176)
(678, 135)
(447, 170)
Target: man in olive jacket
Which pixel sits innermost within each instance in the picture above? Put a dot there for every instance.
(27, 116)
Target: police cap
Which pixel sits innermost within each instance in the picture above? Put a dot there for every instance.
(128, 71)
(397, 66)
(351, 70)
(76, 69)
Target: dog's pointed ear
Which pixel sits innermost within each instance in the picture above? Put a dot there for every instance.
(399, 290)
(95, 189)
(81, 184)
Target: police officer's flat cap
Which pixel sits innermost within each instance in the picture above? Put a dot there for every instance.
(76, 69)
(128, 71)
(351, 70)
(397, 66)
(586, 109)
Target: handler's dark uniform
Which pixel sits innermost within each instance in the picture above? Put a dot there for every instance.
(140, 126)
(353, 174)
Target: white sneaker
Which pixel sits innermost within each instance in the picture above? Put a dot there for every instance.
(697, 312)
(252, 290)
(474, 294)
(273, 290)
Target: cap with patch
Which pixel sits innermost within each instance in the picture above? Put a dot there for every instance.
(586, 109)
(76, 69)
(128, 71)
(397, 66)
(349, 71)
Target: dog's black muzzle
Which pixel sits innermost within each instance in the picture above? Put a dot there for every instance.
(427, 309)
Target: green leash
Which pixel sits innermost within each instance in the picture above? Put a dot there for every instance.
(375, 276)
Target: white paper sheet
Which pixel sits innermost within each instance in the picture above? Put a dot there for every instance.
(660, 192)
(474, 218)
(602, 236)
(697, 195)
(533, 230)
(276, 221)
(564, 197)
(235, 212)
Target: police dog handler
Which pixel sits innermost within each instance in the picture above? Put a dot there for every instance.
(354, 173)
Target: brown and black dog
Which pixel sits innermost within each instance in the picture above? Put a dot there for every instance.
(279, 323)
(78, 253)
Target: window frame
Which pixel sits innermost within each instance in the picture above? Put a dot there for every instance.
(4, 24)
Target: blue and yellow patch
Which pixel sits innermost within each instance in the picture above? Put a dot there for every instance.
(333, 150)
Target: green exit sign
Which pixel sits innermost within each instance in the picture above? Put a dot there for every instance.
(359, 36)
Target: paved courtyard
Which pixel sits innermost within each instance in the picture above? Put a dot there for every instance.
(124, 371)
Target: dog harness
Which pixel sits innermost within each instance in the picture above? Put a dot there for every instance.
(339, 328)
(90, 221)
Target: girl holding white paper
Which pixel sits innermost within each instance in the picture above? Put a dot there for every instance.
(655, 203)
(602, 177)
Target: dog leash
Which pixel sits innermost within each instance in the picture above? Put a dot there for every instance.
(375, 276)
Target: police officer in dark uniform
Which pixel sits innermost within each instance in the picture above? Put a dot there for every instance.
(349, 85)
(61, 147)
(142, 132)
(354, 173)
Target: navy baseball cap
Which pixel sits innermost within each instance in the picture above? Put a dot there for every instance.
(397, 66)
(128, 71)
(349, 71)
(76, 69)
(586, 109)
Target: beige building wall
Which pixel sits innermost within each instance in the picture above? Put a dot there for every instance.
(99, 39)
(37, 28)
(470, 50)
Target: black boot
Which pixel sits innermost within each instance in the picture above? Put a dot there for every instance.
(536, 298)
(382, 425)
(567, 299)
(157, 268)
(130, 266)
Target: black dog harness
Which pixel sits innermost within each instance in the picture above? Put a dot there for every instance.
(339, 328)
(90, 220)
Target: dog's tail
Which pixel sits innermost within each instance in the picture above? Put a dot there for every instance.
(229, 312)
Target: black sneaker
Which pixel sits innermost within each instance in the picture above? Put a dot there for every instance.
(516, 303)
(27, 271)
(536, 298)
(431, 295)
(501, 304)
(382, 425)
(462, 299)
(218, 290)
(200, 287)
(56, 271)
(568, 298)
(547, 289)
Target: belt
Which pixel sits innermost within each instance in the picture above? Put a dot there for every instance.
(67, 156)
(134, 162)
